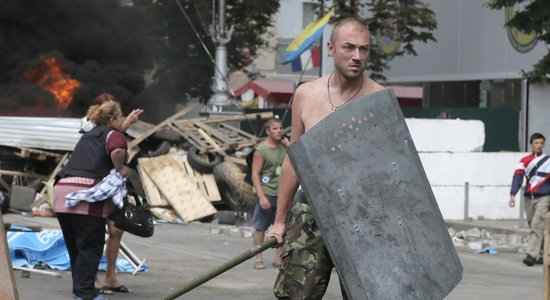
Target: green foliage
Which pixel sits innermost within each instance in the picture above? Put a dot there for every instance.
(181, 56)
(534, 17)
(405, 21)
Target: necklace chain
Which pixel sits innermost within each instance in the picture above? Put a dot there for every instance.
(334, 107)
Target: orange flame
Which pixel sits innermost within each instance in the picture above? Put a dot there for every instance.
(49, 75)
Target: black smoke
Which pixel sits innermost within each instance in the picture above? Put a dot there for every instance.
(105, 45)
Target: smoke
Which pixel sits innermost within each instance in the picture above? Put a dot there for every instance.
(102, 44)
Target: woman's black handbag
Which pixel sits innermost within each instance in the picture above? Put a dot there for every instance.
(135, 218)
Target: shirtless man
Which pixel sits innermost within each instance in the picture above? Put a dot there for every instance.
(300, 278)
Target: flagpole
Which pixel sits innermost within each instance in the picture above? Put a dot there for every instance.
(321, 45)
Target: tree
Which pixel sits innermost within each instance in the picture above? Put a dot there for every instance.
(532, 18)
(184, 33)
(402, 21)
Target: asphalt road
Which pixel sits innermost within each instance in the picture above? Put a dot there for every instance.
(179, 253)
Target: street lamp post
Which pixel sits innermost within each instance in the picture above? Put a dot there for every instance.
(220, 36)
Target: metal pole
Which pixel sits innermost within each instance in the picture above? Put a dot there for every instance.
(524, 115)
(221, 37)
(221, 17)
(466, 200)
(222, 268)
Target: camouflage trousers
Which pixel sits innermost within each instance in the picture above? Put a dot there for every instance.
(305, 262)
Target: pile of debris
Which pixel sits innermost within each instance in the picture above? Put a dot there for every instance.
(188, 168)
(474, 239)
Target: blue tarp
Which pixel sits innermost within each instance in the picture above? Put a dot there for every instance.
(27, 249)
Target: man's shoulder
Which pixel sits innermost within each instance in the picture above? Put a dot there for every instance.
(312, 84)
(261, 147)
(310, 90)
(526, 159)
(264, 146)
(373, 86)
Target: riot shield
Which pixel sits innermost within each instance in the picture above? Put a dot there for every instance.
(363, 178)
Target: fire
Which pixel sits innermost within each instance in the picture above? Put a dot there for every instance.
(49, 75)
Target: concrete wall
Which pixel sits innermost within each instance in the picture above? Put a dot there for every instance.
(447, 151)
(435, 135)
(489, 175)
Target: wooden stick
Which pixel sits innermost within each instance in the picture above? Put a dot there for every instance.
(211, 141)
(243, 117)
(22, 174)
(152, 130)
(8, 288)
(57, 169)
(45, 272)
(197, 281)
(5, 185)
(131, 257)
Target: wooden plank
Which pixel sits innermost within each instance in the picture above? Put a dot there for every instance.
(220, 119)
(205, 182)
(8, 288)
(220, 150)
(546, 258)
(224, 141)
(38, 154)
(167, 121)
(51, 178)
(22, 174)
(51, 273)
(132, 152)
(190, 134)
(166, 214)
(239, 132)
(171, 180)
(5, 185)
(212, 143)
(153, 195)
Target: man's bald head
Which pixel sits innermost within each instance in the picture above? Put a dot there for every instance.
(357, 25)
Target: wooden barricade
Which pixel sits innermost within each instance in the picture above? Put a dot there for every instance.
(221, 136)
(8, 288)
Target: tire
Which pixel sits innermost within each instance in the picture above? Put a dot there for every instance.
(227, 217)
(235, 192)
(164, 148)
(207, 219)
(203, 163)
(4, 203)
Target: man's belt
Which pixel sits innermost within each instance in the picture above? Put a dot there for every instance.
(532, 196)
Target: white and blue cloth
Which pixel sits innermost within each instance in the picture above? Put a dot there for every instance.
(112, 186)
(29, 249)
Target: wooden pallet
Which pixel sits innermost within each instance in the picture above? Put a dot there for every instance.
(152, 193)
(228, 138)
(205, 182)
(223, 135)
(173, 183)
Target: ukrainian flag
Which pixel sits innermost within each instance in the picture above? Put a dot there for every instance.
(310, 35)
